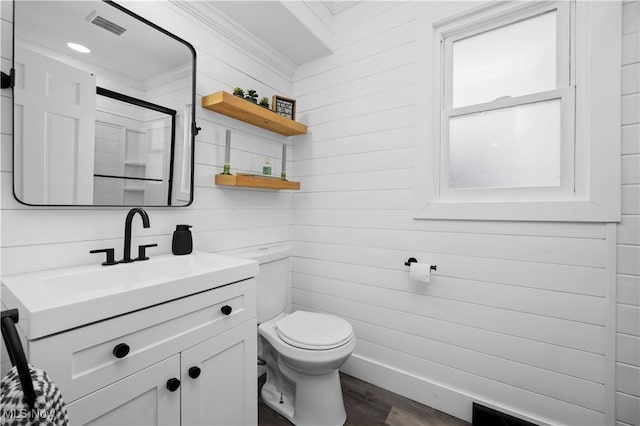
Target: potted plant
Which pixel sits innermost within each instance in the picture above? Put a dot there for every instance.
(238, 92)
(252, 96)
(264, 102)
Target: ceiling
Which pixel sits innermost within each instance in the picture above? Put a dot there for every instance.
(147, 53)
(299, 31)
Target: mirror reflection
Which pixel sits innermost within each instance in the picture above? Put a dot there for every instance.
(102, 107)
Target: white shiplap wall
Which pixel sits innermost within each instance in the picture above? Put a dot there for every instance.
(628, 268)
(37, 238)
(515, 314)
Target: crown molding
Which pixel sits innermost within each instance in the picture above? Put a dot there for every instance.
(336, 7)
(236, 36)
(169, 76)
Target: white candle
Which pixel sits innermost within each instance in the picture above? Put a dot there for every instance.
(284, 158)
(227, 147)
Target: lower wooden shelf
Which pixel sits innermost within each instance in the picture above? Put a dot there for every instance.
(256, 181)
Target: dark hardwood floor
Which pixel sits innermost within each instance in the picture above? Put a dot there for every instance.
(369, 405)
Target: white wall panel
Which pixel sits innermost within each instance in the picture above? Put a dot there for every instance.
(631, 48)
(395, 137)
(563, 278)
(628, 349)
(510, 302)
(631, 139)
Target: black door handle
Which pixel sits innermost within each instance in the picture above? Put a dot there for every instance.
(226, 310)
(194, 372)
(121, 350)
(173, 384)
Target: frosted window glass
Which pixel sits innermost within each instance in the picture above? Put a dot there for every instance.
(504, 148)
(514, 60)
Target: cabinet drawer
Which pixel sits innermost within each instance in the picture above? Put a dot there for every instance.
(82, 360)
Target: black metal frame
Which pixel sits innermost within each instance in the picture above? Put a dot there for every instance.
(154, 107)
(125, 177)
(16, 354)
(8, 81)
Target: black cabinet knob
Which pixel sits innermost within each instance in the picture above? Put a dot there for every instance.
(121, 350)
(194, 372)
(226, 309)
(173, 384)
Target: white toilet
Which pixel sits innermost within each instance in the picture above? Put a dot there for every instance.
(303, 350)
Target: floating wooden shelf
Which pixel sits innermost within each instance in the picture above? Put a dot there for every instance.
(255, 181)
(240, 109)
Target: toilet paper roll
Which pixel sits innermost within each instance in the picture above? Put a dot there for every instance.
(420, 272)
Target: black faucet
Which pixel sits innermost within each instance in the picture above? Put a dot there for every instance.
(127, 232)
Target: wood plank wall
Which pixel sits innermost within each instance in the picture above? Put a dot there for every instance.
(515, 314)
(628, 268)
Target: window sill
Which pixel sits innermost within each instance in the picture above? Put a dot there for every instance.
(545, 211)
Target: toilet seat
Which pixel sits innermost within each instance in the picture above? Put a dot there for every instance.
(314, 331)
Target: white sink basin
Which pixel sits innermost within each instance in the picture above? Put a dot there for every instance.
(60, 299)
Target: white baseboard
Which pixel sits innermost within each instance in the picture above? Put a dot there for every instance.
(412, 387)
(432, 394)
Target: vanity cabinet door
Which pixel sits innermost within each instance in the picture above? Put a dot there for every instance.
(140, 399)
(219, 379)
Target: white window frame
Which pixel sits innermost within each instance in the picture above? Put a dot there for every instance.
(588, 69)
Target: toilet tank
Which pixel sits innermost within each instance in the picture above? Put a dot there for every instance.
(273, 280)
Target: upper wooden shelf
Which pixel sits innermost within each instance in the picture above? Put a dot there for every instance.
(238, 108)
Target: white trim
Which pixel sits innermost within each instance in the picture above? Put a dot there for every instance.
(596, 196)
(336, 7)
(236, 36)
(508, 102)
(453, 401)
(169, 77)
(610, 325)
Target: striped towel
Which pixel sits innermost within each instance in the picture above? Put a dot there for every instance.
(49, 408)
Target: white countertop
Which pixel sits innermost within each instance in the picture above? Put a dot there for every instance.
(60, 299)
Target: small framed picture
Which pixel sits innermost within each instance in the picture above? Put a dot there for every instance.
(284, 106)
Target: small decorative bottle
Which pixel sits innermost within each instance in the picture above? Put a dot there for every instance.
(266, 168)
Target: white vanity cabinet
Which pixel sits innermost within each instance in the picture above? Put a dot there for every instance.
(139, 399)
(187, 361)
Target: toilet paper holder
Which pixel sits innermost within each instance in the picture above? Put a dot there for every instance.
(413, 260)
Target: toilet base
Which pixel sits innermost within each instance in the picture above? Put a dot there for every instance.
(272, 397)
(310, 401)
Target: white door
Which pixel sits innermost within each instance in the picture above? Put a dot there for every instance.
(54, 130)
(140, 399)
(226, 390)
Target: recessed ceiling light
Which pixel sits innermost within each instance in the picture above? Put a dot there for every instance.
(78, 47)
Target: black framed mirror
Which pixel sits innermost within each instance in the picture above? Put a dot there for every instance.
(103, 107)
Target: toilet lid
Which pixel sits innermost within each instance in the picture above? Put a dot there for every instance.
(315, 331)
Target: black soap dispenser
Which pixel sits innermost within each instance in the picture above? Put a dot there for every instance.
(182, 242)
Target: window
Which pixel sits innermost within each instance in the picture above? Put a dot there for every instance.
(512, 134)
